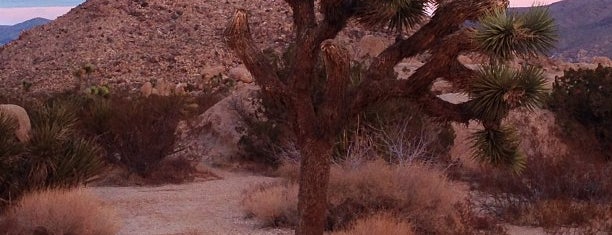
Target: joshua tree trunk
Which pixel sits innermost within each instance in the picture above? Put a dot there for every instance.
(312, 205)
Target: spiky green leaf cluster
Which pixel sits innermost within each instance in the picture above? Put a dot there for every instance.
(532, 82)
(498, 148)
(55, 156)
(497, 89)
(396, 14)
(503, 35)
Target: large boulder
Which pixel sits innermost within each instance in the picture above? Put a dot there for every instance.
(18, 113)
(213, 137)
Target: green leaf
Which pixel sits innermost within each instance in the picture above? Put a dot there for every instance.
(532, 82)
(498, 148)
(502, 35)
(497, 89)
(396, 14)
(488, 92)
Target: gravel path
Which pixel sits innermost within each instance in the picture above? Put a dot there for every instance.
(207, 207)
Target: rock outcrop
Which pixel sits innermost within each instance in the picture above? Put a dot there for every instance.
(213, 137)
(18, 113)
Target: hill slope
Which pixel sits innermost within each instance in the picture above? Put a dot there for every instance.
(133, 41)
(585, 28)
(10, 33)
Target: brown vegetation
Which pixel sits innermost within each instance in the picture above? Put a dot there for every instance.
(60, 212)
(381, 224)
(552, 192)
(418, 194)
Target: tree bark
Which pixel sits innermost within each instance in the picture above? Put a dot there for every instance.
(314, 179)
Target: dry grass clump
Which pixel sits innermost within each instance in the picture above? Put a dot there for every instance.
(566, 191)
(419, 194)
(60, 212)
(381, 224)
(552, 213)
(273, 204)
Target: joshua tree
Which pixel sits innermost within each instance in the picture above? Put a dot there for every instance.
(493, 90)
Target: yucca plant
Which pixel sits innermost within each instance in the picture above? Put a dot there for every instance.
(497, 88)
(503, 35)
(56, 156)
(394, 14)
(495, 91)
(498, 147)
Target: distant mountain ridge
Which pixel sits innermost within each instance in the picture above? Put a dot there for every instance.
(9, 33)
(585, 28)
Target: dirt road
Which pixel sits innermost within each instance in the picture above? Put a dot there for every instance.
(206, 207)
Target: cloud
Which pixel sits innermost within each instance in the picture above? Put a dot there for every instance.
(11, 16)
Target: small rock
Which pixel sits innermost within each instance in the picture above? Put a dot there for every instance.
(210, 72)
(147, 89)
(164, 88)
(18, 113)
(180, 89)
(241, 73)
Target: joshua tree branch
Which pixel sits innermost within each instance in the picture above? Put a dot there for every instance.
(337, 66)
(447, 19)
(238, 38)
(444, 110)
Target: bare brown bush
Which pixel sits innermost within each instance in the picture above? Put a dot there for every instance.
(552, 192)
(382, 224)
(273, 204)
(60, 212)
(416, 193)
(139, 132)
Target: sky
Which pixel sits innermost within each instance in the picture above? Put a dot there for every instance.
(16, 11)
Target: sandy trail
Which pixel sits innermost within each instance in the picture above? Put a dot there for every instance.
(205, 207)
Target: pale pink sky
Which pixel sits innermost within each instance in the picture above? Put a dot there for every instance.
(10, 16)
(527, 3)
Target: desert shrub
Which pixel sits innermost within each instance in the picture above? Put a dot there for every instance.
(273, 204)
(140, 131)
(266, 134)
(56, 156)
(419, 194)
(550, 192)
(60, 212)
(381, 224)
(136, 132)
(399, 132)
(582, 96)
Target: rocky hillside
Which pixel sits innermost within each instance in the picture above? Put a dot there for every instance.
(130, 42)
(133, 41)
(11, 32)
(585, 28)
